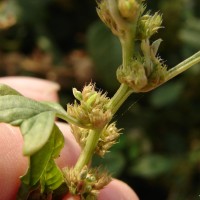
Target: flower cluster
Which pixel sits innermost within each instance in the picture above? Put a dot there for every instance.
(86, 183)
(92, 109)
(128, 9)
(108, 138)
(120, 15)
(80, 134)
(106, 16)
(144, 72)
(134, 76)
(148, 25)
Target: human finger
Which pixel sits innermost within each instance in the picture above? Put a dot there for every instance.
(13, 164)
(119, 190)
(34, 88)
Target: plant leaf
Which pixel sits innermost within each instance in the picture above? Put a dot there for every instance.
(15, 109)
(52, 177)
(56, 107)
(151, 166)
(167, 94)
(6, 90)
(102, 44)
(26, 191)
(155, 45)
(36, 131)
(41, 165)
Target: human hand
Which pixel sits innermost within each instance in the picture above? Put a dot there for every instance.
(13, 164)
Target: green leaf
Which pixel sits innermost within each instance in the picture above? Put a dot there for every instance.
(26, 191)
(41, 165)
(6, 90)
(151, 166)
(102, 44)
(167, 94)
(52, 177)
(113, 162)
(56, 107)
(15, 109)
(36, 131)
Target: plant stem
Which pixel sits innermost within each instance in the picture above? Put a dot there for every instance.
(186, 64)
(118, 99)
(126, 32)
(127, 43)
(126, 35)
(127, 50)
(124, 91)
(72, 120)
(88, 150)
(86, 155)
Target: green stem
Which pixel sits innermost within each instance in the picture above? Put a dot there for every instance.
(118, 99)
(92, 140)
(127, 42)
(127, 50)
(124, 91)
(72, 120)
(126, 32)
(181, 67)
(88, 151)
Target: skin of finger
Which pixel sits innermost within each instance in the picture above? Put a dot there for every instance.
(13, 164)
(34, 88)
(71, 151)
(119, 190)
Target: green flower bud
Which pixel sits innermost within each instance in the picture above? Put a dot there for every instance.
(148, 25)
(80, 134)
(135, 76)
(91, 178)
(86, 182)
(128, 9)
(77, 94)
(92, 109)
(92, 99)
(107, 139)
(156, 71)
(83, 173)
(157, 77)
(105, 16)
(119, 15)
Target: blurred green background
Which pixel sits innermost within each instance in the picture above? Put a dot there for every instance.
(158, 154)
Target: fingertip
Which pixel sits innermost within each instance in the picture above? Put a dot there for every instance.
(117, 189)
(71, 151)
(71, 197)
(12, 163)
